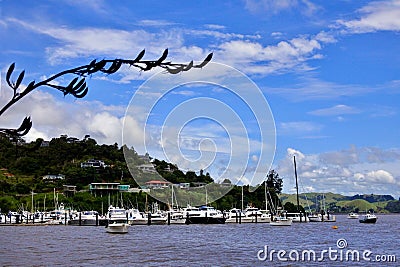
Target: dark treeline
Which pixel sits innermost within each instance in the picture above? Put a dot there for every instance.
(23, 166)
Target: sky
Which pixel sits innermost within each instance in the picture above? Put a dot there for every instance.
(314, 80)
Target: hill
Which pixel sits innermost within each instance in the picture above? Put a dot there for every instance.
(343, 204)
(23, 166)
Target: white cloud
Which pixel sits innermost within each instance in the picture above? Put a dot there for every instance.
(351, 171)
(276, 6)
(298, 127)
(335, 110)
(375, 16)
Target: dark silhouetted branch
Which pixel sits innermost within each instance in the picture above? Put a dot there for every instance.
(78, 87)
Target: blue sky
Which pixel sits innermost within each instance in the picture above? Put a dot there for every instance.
(329, 71)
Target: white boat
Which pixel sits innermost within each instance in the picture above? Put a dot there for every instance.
(297, 217)
(117, 227)
(255, 215)
(352, 215)
(315, 218)
(235, 216)
(281, 221)
(87, 218)
(176, 217)
(203, 215)
(369, 218)
(135, 217)
(117, 222)
(156, 218)
(322, 218)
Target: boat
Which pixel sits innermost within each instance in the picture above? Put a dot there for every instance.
(324, 217)
(156, 216)
(281, 220)
(88, 218)
(352, 215)
(203, 215)
(255, 215)
(297, 217)
(369, 218)
(315, 217)
(236, 215)
(135, 217)
(176, 217)
(117, 221)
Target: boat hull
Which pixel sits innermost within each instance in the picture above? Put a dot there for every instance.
(369, 220)
(205, 220)
(281, 222)
(117, 228)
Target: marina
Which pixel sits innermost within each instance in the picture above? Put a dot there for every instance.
(193, 245)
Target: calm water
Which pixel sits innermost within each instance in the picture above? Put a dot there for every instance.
(197, 245)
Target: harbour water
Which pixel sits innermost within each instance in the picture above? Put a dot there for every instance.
(206, 245)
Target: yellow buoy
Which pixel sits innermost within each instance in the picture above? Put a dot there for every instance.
(334, 227)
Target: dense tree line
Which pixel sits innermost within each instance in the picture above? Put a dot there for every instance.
(29, 162)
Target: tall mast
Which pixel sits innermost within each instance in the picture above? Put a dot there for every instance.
(242, 198)
(297, 186)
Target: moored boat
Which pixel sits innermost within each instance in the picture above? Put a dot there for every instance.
(369, 218)
(352, 215)
(281, 221)
(203, 215)
(117, 222)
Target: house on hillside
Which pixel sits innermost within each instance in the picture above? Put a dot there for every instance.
(155, 184)
(147, 168)
(94, 163)
(53, 177)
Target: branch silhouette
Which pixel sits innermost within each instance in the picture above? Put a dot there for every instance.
(78, 87)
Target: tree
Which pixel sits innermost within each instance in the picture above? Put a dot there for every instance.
(273, 181)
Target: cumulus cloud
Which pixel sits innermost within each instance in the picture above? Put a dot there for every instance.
(350, 171)
(375, 16)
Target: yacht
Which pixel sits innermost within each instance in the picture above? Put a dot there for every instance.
(281, 221)
(256, 215)
(297, 217)
(352, 215)
(88, 218)
(176, 217)
(135, 217)
(236, 216)
(203, 215)
(369, 218)
(117, 222)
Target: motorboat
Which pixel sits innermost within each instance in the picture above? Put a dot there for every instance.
(176, 217)
(256, 215)
(135, 217)
(322, 218)
(352, 215)
(236, 216)
(281, 221)
(369, 218)
(117, 221)
(203, 215)
(88, 218)
(297, 217)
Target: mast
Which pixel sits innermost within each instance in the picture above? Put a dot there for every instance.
(242, 198)
(265, 195)
(32, 209)
(297, 186)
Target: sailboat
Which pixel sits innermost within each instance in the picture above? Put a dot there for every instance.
(279, 218)
(297, 216)
(175, 215)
